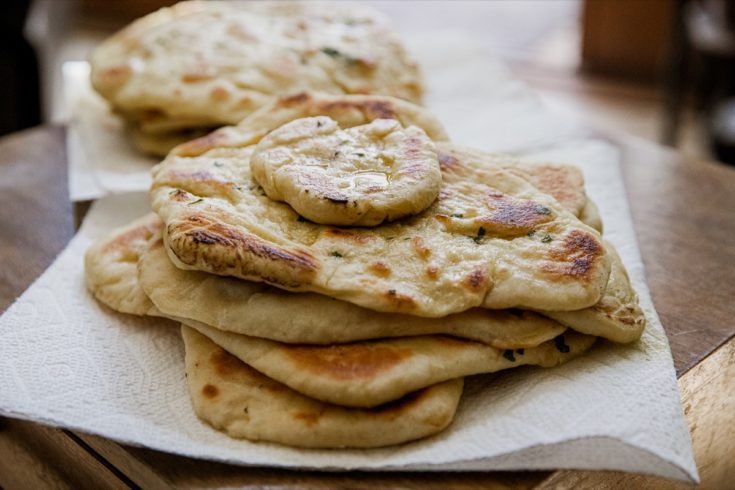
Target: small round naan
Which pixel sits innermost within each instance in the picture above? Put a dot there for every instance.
(362, 175)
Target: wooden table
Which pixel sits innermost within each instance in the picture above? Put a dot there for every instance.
(684, 212)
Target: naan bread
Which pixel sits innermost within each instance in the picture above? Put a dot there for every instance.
(617, 316)
(258, 310)
(490, 240)
(158, 145)
(590, 215)
(110, 266)
(362, 175)
(213, 63)
(370, 373)
(347, 110)
(563, 182)
(234, 398)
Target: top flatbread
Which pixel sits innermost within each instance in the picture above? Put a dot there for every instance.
(363, 175)
(490, 240)
(211, 63)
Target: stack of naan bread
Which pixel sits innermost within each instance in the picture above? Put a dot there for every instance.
(338, 266)
(182, 71)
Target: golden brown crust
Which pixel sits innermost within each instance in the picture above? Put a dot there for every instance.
(577, 256)
(347, 361)
(204, 237)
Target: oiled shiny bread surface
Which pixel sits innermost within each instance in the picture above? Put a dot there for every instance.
(364, 175)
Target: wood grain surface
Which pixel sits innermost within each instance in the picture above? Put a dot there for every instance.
(35, 213)
(683, 212)
(684, 216)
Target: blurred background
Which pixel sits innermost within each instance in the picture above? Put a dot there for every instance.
(662, 70)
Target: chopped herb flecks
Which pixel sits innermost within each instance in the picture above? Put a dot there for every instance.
(458, 215)
(359, 154)
(543, 210)
(218, 164)
(480, 234)
(561, 346)
(331, 52)
(195, 202)
(508, 354)
(532, 233)
(546, 238)
(336, 254)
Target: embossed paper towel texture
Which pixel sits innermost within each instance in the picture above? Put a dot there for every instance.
(66, 360)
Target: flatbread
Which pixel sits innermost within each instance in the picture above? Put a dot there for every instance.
(258, 310)
(158, 145)
(358, 176)
(111, 263)
(497, 246)
(370, 373)
(563, 182)
(234, 398)
(347, 110)
(213, 63)
(617, 316)
(590, 215)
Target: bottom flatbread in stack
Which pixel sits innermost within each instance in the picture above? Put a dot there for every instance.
(233, 397)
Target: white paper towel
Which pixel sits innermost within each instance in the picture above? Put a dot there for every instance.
(66, 360)
(102, 161)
